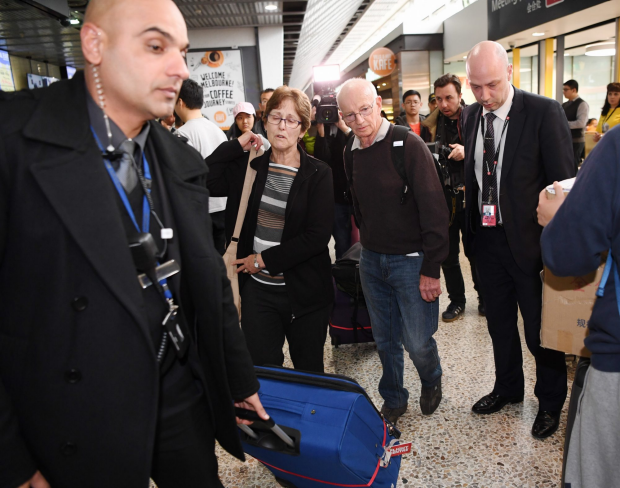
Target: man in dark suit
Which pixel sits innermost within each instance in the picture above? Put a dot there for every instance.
(93, 391)
(516, 143)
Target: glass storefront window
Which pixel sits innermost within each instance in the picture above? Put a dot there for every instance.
(593, 73)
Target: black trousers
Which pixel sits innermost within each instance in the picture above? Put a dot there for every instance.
(267, 318)
(578, 148)
(506, 288)
(451, 266)
(219, 231)
(184, 452)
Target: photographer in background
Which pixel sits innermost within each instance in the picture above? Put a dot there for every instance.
(329, 145)
(445, 125)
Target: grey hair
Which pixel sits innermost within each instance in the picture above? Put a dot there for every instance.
(354, 83)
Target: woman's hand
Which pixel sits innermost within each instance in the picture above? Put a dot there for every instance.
(247, 264)
(597, 136)
(249, 140)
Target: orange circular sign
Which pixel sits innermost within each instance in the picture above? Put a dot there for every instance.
(382, 61)
(220, 117)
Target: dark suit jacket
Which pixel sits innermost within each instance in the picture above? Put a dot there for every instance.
(538, 151)
(79, 382)
(302, 255)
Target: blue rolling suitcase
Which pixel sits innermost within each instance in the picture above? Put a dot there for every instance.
(328, 433)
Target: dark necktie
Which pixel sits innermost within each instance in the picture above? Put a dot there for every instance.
(126, 171)
(489, 169)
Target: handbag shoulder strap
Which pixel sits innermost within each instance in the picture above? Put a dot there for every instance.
(250, 176)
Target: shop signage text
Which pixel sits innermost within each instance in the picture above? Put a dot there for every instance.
(507, 17)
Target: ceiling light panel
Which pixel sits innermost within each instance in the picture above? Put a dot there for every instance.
(323, 22)
(381, 18)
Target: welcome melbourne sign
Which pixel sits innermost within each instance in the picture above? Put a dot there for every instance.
(507, 17)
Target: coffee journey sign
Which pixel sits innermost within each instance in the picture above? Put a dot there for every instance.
(507, 17)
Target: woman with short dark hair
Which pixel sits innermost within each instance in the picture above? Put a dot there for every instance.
(283, 259)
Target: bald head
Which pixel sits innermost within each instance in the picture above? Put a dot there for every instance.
(110, 15)
(489, 74)
(357, 85)
(138, 47)
(487, 52)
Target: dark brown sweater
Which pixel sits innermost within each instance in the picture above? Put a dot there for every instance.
(386, 226)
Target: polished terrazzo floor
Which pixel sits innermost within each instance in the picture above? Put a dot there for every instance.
(453, 447)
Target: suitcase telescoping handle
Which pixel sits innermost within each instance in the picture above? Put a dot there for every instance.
(251, 415)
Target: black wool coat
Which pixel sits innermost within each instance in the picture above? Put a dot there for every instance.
(302, 255)
(79, 381)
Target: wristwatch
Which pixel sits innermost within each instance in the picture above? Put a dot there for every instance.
(256, 265)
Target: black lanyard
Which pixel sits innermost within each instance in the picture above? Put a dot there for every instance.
(499, 145)
(609, 116)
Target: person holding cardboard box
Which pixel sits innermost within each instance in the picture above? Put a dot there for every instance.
(584, 227)
(516, 143)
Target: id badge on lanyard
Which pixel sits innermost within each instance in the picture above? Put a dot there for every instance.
(489, 214)
(489, 208)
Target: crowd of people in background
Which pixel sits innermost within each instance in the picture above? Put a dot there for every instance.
(504, 262)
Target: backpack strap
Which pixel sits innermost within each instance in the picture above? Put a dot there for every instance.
(348, 168)
(399, 135)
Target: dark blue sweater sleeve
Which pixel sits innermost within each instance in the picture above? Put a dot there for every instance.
(584, 225)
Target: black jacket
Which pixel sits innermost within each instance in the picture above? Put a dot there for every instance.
(425, 133)
(79, 382)
(303, 255)
(331, 150)
(538, 151)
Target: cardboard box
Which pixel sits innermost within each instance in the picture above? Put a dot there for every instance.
(566, 311)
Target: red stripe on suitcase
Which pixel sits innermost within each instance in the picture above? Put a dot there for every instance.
(372, 480)
(347, 328)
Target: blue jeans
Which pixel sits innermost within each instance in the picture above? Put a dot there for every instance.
(400, 317)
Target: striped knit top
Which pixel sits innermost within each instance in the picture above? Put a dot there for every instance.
(271, 213)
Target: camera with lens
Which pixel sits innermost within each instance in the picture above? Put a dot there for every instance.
(448, 170)
(326, 79)
(326, 108)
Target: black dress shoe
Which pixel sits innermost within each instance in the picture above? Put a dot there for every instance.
(546, 424)
(493, 402)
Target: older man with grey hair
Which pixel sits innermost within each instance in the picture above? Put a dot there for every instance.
(403, 221)
(516, 143)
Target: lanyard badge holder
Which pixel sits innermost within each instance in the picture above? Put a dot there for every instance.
(145, 255)
(489, 207)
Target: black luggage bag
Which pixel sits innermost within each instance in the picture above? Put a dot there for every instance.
(349, 322)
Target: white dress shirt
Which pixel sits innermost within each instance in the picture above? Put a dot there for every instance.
(498, 124)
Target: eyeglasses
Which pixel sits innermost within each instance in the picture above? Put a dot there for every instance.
(412, 102)
(364, 112)
(289, 123)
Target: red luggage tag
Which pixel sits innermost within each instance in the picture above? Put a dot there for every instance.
(401, 449)
(394, 449)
